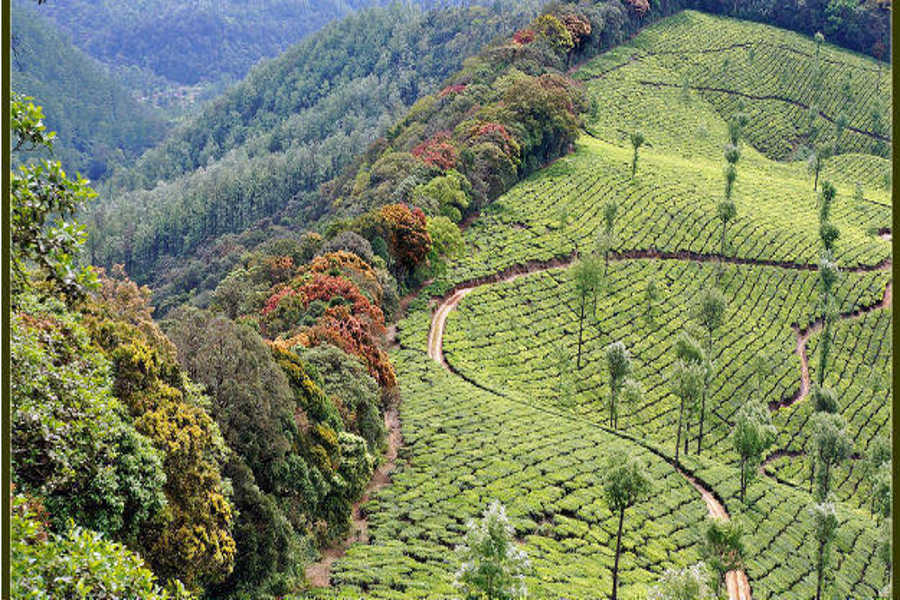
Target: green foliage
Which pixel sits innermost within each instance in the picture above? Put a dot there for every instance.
(831, 446)
(752, 435)
(39, 192)
(618, 362)
(77, 563)
(99, 123)
(825, 524)
(346, 380)
(637, 140)
(491, 565)
(73, 443)
(723, 547)
(689, 583)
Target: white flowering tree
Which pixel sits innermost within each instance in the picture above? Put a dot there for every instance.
(491, 565)
(689, 583)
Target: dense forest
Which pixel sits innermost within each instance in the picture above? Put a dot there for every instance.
(97, 121)
(295, 123)
(224, 352)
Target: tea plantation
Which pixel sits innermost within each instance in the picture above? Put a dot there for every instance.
(511, 416)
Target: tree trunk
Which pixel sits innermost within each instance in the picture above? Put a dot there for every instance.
(743, 477)
(702, 415)
(687, 435)
(618, 550)
(678, 437)
(824, 350)
(580, 330)
(820, 576)
(816, 181)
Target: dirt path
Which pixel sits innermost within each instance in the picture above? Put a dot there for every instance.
(803, 336)
(736, 581)
(318, 574)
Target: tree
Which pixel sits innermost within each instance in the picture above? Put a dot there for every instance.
(826, 199)
(76, 562)
(40, 191)
(816, 160)
(726, 212)
(586, 283)
(688, 387)
(760, 367)
(689, 583)
(606, 239)
(637, 140)
(625, 484)
(619, 364)
(828, 275)
(752, 435)
(825, 524)
(824, 399)
(491, 565)
(831, 446)
(632, 394)
(736, 125)
(723, 548)
(885, 553)
(840, 126)
(710, 314)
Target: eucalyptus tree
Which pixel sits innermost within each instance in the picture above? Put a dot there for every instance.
(710, 314)
(824, 399)
(722, 548)
(688, 386)
(586, 279)
(816, 160)
(632, 394)
(877, 472)
(637, 140)
(825, 524)
(618, 363)
(840, 126)
(752, 435)
(736, 125)
(828, 275)
(652, 296)
(831, 445)
(760, 367)
(626, 483)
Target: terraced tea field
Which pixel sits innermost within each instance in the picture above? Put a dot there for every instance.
(494, 407)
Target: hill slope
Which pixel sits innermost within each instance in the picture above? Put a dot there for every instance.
(98, 123)
(517, 406)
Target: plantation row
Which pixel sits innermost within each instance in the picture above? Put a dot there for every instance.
(696, 51)
(485, 342)
(464, 447)
(781, 544)
(670, 206)
(861, 377)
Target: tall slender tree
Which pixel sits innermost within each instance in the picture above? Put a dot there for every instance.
(710, 314)
(626, 483)
(688, 387)
(825, 525)
(831, 445)
(752, 435)
(637, 140)
(586, 281)
(828, 276)
(618, 363)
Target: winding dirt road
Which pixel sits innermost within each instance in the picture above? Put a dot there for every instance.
(736, 581)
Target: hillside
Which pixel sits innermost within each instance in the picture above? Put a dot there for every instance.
(98, 123)
(188, 43)
(513, 412)
(266, 146)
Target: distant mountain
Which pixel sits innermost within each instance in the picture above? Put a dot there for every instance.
(98, 122)
(203, 40)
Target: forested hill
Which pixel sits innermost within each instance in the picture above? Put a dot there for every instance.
(97, 121)
(269, 143)
(191, 42)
